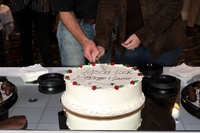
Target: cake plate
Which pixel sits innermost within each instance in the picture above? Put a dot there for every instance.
(12, 98)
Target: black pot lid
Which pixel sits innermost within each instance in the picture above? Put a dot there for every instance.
(51, 83)
(150, 69)
(191, 107)
(9, 102)
(163, 81)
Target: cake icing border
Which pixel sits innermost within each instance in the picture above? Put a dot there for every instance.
(108, 113)
(105, 117)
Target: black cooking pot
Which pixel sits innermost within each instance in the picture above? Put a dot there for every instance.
(148, 70)
(51, 83)
(8, 103)
(163, 89)
(163, 85)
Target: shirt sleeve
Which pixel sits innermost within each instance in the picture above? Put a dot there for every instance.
(62, 5)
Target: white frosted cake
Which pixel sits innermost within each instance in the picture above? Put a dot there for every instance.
(103, 100)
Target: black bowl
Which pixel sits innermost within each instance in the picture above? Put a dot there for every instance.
(51, 83)
(163, 86)
(51, 79)
(163, 82)
(150, 69)
(162, 93)
(8, 103)
(52, 90)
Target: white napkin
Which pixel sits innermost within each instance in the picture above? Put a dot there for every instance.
(184, 72)
(31, 73)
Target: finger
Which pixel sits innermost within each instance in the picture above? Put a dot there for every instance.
(128, 41)
(127, 46)
(94, 56)
(101, 51)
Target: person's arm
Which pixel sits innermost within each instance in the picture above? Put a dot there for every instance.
(158, 19)
(71, 23)
(106, 18)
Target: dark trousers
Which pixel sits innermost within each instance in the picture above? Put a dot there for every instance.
(25, 20)
(142, 55)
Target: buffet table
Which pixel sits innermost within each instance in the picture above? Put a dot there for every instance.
(158, 121)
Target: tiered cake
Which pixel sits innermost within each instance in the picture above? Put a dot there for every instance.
(103, 100)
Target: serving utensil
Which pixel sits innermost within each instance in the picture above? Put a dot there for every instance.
(101, 66)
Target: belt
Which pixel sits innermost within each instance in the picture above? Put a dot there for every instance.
(89, 21)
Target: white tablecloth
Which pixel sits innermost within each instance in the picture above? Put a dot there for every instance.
(6, 20)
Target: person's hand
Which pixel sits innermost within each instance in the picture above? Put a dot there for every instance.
(132, 42)
(99, 54)
(90, 51)
(101, 51)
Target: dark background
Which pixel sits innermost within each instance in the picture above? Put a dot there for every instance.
(11, 55)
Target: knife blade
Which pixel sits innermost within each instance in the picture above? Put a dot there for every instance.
(101, 66)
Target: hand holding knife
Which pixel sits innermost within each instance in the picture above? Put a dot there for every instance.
(101, 66)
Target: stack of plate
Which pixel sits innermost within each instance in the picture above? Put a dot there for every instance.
(191, 107)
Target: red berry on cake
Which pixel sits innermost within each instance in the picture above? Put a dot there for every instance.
(69, 71)
(132, 82)
(94, 87)
(127, 65)
(116, 87)
(93, 64)
(135, 68)
(74, 83)
(80, 66)
(139, 74)
(112, 63)
(66, 77)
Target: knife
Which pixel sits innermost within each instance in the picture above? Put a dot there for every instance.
(101, 66)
